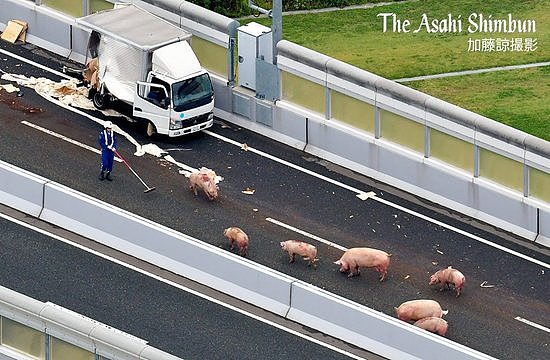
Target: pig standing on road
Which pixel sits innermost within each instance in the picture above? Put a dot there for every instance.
(237, 236)
(433, 324)
(355, 258)
(419, 309)
(205, 180)
(449, 276)
(305, 250)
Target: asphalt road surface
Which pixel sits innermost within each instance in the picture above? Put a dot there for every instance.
(483, 318)
(165, 314)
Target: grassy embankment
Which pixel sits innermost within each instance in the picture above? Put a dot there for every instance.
(519, 98)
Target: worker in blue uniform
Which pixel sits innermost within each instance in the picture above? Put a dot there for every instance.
(108, 141)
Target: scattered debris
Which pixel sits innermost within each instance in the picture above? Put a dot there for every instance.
(439, 251)
(9, 88)
(398, 226)
(364, 196)
(90, 73)
(153, 149)
(14, 31)
(244, 147)
(484, 285)
(255, 210)
(406, 277)
(434, 263)
(248, 191)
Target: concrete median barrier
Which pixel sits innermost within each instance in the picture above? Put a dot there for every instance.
(20, 189)
(166, 248)
(370, 329)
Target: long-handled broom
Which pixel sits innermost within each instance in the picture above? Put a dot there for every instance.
(149, 189)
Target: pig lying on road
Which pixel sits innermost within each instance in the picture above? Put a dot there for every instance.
(433, 324)
(237, 236)
(205, 180)
(449, 276)
(355, 258)
(418, 309)
(305, 250)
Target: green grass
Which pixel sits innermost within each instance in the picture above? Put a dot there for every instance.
(517, 98)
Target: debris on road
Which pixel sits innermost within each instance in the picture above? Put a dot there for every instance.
(14, 31)
(9, 88)
(248, 191)
(439, 251)
(364, 196)
(485, 285)
(244, 146)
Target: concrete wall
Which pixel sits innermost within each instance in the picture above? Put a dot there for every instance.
(214, 267)
(365, 153)
(87, 334)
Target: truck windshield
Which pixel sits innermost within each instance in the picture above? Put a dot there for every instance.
(191, 93)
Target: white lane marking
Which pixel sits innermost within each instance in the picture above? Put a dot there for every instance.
(533, 324)
(465, 233)
(181, 287)
(366, 195)
(63, 137)
(302, 232)
(139, 148)
(361, 194)
(286, 163)
(20, 58)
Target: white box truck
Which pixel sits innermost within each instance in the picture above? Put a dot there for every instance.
(148, 63)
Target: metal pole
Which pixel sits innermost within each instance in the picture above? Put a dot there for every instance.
(85, 7)
(277, 26)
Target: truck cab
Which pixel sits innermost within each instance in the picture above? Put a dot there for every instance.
(147, 62)
(178, 89)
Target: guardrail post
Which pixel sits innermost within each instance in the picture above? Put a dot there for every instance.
(377, 122)
(85, 7)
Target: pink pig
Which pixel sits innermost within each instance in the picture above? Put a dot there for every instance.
(364, 257)
(305, 250)
(418, 309)
(449, 276)
(205, 180)
(237, 236)
(433, 324)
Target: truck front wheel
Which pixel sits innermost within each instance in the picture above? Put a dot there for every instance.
(100, 100)
(150, 130)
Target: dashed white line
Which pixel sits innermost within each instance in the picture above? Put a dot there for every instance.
(533, 324)
(305, 233)
(370, 195)
(181, 287)
(359, 193)
(63, 137)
